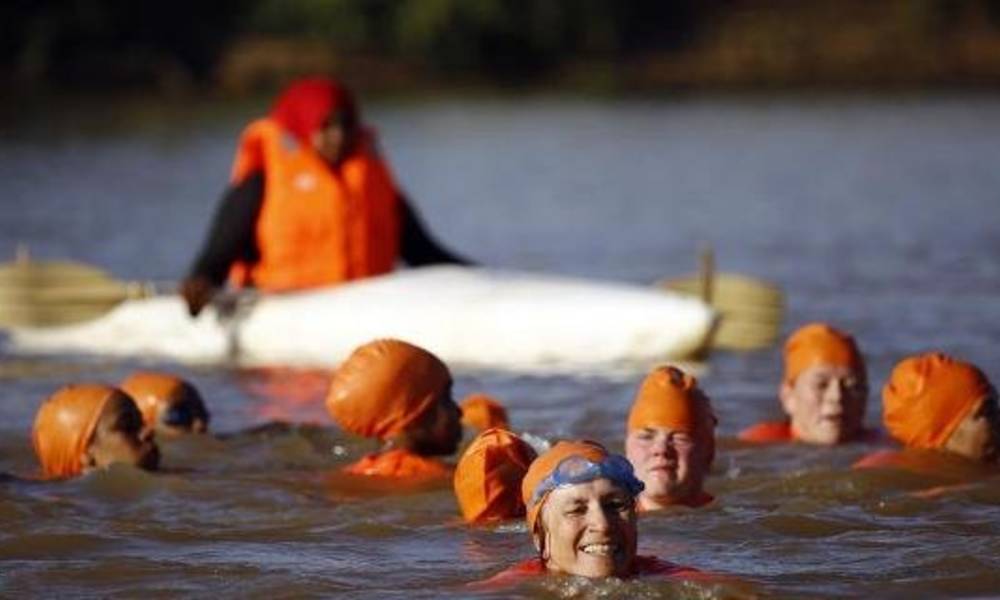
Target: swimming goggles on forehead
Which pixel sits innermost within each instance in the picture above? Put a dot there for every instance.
(577, 469)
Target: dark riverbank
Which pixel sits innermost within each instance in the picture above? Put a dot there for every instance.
(239, 48)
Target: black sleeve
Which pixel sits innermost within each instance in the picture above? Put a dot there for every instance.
(416, 246)
(232, 234)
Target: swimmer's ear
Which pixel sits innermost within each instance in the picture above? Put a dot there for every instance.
(787, 396)
(538, 537)
(88, 462)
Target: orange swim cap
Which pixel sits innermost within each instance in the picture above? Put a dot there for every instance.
(384, 386)
(927, 397)
(544, 465)
(671, 398)
(488, 476)
(483, 412)
(819, 344)
(153, 393)
(64, 426)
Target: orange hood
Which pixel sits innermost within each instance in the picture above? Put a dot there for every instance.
(483, 412)
(384, 386)
(488, 476)
(153, 393)
(64, 426)
(819, 344)
(671, 398)
(928, 395)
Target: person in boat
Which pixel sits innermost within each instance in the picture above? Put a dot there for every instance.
(581, 514)
(670, 440)
(88, 426)
(481, 412)
(399, 394)
(310, 203)
(488, 477)
(824, 391)
(169, 405)
(934, 404)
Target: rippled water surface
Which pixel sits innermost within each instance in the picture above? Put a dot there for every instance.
(880, 215)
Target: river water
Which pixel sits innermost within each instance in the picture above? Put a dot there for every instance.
(879, 214)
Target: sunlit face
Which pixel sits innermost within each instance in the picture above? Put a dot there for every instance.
(439, 431)
(977, 437)
(588, 529)
(672, 464)
(120, 436)
(826, 404)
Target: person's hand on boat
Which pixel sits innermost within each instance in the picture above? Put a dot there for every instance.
(197, 292)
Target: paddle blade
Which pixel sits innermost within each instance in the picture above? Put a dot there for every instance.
(751, 309)
(50, 293)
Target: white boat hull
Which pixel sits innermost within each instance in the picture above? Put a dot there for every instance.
(474, 318)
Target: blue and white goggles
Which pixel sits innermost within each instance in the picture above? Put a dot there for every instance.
(577, 469)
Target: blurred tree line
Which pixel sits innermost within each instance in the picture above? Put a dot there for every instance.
(188, 43)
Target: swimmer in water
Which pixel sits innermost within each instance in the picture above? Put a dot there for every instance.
(581, 515)
(824, 391)
(670, 440)
(169, 404)
(933, 402)
(399, 394)
(481, 412)
(85, 427)
(488, 477)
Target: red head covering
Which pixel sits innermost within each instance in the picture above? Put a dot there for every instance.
(306, 104)
(483, 412)
(488, 477)
(928, 396)
(384, 386)
(64, 426)
(819, 344)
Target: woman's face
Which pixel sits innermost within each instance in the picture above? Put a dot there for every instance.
(333, 140)
(121, 437)
(826, 404)
(977, 437)
(589, 529)
(672, 464)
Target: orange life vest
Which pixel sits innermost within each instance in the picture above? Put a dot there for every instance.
(644, 566)
(400, 464)
(318, 225)
(767, 432)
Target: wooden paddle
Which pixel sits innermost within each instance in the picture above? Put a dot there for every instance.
(50, 293)
(751, 310)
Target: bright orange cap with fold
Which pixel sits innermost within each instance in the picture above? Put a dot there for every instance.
(384, 386)
(152, 393)
(488, 476)
(819, 344)
(927, 397)
(669, 397)
(483, 412)
(64, 426)
(544, 465)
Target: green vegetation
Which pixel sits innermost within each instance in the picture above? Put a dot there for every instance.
(245, 44)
